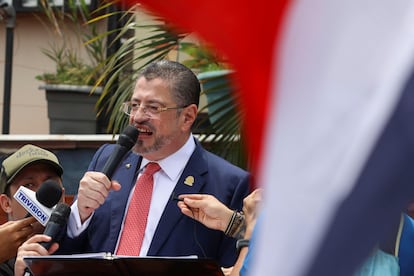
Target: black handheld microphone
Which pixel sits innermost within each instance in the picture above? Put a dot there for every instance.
(48, 194)
(126, 141)
(56, 224)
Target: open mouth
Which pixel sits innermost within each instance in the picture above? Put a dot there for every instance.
(144, 132)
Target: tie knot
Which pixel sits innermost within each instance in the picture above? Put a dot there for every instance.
(151, 168)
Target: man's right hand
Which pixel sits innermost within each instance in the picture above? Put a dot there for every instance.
(94, 188)
(12, 235)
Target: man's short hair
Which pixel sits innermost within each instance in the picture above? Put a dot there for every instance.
(23, 157)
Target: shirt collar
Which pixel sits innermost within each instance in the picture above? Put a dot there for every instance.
(174, 164)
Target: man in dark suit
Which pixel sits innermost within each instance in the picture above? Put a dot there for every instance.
(163, 107)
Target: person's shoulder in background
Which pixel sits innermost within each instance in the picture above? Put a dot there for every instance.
(406, 247)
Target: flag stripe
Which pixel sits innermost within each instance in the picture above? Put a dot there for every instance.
(384, 188)
(341, 67)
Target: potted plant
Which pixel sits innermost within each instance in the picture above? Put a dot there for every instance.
(70, 90)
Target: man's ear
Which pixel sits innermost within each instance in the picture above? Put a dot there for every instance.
(5, 203)
(190, 114)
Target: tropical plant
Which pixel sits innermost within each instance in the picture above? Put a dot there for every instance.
(223, 134)
(69, 24)
(121, 68)
(201, 58)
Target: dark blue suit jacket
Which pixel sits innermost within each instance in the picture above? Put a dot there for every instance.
(176, 234)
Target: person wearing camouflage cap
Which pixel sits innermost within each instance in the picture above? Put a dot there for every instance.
(29, 166)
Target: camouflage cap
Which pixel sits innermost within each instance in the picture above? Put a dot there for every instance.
(23, 157)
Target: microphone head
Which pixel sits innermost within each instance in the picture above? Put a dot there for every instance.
(49, 193)
(128, 137)
(60, 214)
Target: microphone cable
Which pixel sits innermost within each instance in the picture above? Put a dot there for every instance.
(173, 197)
(195, 236)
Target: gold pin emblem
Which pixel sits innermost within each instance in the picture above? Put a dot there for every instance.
(189, 180)
(128, 165)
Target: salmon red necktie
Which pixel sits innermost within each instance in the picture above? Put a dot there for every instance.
(137, 214)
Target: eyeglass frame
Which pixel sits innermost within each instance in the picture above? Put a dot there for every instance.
(145, 109)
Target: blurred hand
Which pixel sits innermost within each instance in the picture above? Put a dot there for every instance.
(31, 247)
(12, 235)
(206, 209)
(94, 188)
(250, 210)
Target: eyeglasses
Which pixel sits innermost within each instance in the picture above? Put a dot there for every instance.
(130, 108)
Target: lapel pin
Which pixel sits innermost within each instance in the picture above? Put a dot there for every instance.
(189, 180)
(128, 165)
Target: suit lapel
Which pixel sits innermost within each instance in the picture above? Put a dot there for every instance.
(190, 182)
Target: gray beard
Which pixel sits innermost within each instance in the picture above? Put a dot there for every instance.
(160, 142)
